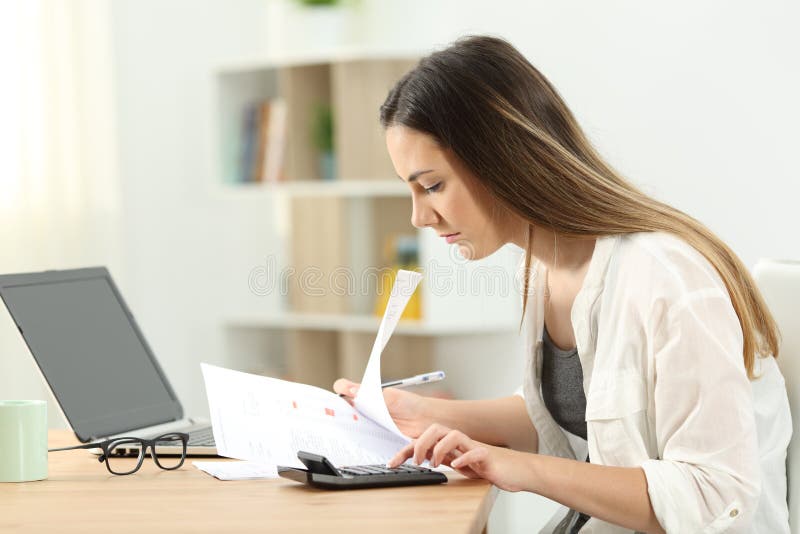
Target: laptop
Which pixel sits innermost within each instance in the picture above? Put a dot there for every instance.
(95, 359)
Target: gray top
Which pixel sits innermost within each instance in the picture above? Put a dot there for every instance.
(562, 392)
(562, 386)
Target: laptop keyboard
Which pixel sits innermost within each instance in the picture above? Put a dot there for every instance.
(202, 437)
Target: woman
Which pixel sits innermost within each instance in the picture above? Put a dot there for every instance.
(649, 346)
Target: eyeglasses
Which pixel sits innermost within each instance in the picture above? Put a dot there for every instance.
(116, 451)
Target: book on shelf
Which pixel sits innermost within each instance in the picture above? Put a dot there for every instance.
(263, 141)
(401, 252)
(248, 146)
(256, 167)
(275, 142)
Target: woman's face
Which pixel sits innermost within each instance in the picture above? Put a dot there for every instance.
(447, 197)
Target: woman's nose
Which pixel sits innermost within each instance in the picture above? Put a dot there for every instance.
(422, 215)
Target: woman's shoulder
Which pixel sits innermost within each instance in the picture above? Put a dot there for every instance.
(662, 247)
(665, 259)
(668, 253)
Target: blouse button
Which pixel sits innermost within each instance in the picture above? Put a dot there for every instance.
(734, 512)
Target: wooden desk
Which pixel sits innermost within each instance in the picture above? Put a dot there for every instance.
(80, 495)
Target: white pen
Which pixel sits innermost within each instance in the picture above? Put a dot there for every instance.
(424, 378)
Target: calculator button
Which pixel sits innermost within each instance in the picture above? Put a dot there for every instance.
(374, 470)
(355, 471)
(382, 470)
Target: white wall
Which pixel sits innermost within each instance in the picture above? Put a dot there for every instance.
(187, 249)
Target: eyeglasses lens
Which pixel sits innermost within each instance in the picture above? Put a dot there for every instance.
(169, 451)
(123, 456)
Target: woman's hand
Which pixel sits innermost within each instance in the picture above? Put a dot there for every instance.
(407, 409)
(505, 468)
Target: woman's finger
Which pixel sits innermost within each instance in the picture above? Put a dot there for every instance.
(451, 442)
(402, 455)
(345, 387)
(469, 458)
(425, 442)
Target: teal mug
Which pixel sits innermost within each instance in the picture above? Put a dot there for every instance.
(23, 440)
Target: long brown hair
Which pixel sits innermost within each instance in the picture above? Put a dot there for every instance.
(484, 101)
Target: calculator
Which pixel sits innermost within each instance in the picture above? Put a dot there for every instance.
(321, 473)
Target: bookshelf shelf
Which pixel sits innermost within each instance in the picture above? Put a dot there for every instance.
(339, 55)
(319, 188)
(365, 324)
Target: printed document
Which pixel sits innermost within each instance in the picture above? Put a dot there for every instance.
(267, 420)
(225, 470)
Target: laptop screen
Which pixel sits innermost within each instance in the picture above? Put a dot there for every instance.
(90, 351)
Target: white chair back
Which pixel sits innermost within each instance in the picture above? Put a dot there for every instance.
(779, 282)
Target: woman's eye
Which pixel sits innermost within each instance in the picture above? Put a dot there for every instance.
(432, 189)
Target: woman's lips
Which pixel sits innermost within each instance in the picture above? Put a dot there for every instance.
(451, 238)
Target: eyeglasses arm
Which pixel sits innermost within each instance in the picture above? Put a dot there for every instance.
(75, 447)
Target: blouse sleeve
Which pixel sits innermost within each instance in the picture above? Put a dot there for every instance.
(707, 476)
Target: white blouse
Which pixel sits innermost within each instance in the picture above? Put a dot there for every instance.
(666, 389)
